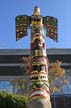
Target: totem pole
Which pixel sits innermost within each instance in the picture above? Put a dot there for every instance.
(39, 94)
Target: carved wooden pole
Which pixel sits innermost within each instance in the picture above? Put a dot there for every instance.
(39, 94)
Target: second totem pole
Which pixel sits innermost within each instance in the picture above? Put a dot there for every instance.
(39, 93)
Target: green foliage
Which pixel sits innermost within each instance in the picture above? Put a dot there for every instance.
(8, 100)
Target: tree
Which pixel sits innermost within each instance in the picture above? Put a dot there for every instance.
(19, 85)
(56, 73)
(9, 100)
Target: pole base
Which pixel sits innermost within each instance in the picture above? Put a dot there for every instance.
(39, 103)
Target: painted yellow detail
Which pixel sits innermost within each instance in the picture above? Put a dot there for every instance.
(36, 23)
(36, 11)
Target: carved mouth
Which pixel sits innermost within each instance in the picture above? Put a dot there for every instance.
(39, 92)
(39, 77)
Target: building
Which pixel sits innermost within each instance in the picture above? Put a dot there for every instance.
(61, 100)
(11, 68)
(11, 61)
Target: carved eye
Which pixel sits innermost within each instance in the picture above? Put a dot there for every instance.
(42, 67)
(34, 68)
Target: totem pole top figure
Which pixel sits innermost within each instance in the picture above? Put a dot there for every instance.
(36, 11)
(24, 22)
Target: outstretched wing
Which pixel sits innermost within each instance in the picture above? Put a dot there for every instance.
(51, 26)
(22, 24)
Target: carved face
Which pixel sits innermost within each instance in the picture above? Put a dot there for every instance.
(38, 42)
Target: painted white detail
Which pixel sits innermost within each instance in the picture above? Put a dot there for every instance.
(40, 92)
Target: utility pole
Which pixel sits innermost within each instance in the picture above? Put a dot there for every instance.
(39, 93)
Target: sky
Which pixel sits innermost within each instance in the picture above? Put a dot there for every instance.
(9, 9)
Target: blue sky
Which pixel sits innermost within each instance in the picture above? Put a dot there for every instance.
(9, 9)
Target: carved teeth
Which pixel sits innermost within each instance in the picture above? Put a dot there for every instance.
(39, 76)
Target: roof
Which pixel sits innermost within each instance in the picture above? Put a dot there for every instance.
(27, 51)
